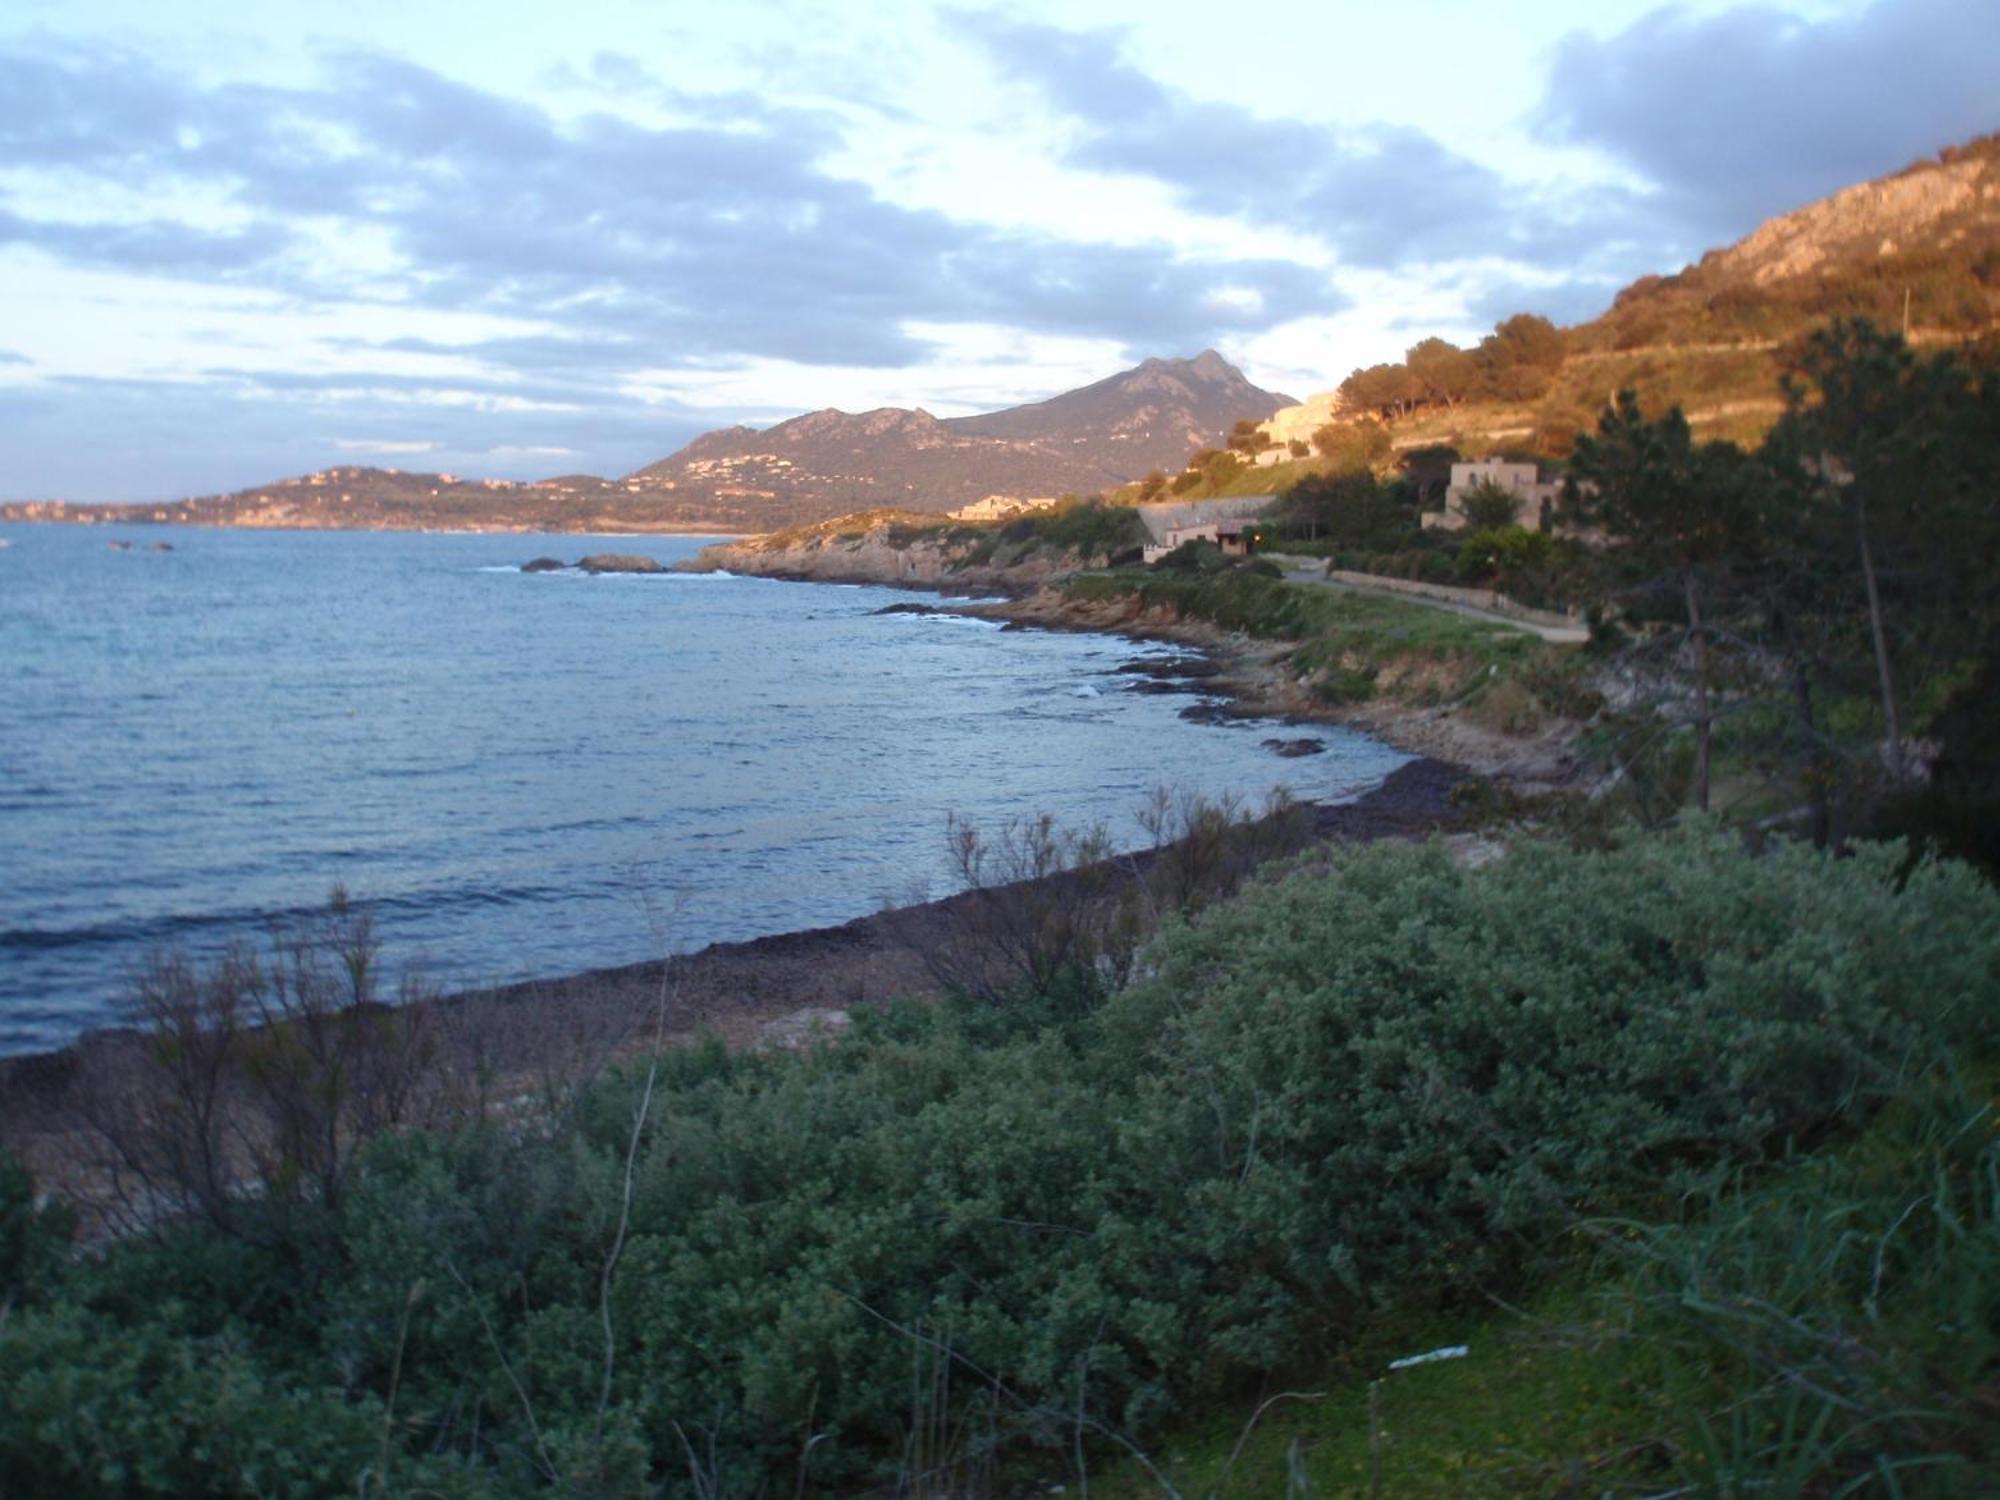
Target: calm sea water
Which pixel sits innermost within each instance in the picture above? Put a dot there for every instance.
(520, 774)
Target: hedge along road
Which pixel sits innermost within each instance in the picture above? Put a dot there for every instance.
(1313, 570)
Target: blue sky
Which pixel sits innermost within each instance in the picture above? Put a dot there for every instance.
(241, 240)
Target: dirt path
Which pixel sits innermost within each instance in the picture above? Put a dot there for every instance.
(1313, 571)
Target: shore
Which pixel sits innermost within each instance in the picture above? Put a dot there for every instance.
(1252, 673)
(777, 991)
(782, 989)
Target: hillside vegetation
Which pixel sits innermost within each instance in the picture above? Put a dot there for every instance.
(972, 1244)
(1918, 251)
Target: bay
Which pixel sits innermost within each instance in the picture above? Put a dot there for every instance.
(519, 774)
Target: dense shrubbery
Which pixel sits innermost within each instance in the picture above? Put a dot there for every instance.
(966, 1227)
(1837, 1324)
(1093, 531)
(1352, 509)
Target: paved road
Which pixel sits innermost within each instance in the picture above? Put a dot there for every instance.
(1312, 570)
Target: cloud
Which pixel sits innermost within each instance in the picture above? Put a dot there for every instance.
(87, 438)
(1385, 195)
(386, 445)
(1752, 112)
(659, 245)
(9, 357)
(154, 245)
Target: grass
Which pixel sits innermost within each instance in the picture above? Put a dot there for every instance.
(1824, 1329)
(1532, 1406)
(1351, 646)
(1272, 480)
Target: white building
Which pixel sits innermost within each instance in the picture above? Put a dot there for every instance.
(1524, 482)
(1173, 522)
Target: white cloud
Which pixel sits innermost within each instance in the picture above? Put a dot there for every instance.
(386, 445)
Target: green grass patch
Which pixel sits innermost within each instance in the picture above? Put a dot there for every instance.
(1350, 643)
(1824, 1327)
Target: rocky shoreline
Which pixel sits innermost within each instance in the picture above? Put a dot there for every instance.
(779, 990)
(1249, 672)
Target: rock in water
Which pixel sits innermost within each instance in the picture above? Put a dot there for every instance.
(1301, 746)
(544, 565)
(619, 562)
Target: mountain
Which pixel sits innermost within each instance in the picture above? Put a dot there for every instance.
(1150, 417)
(1144, 418)
(829, 462)
(807, 469)
(359, 498)
(1917, 250)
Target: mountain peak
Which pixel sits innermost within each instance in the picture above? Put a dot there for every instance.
(1148, 417)
(826, 462)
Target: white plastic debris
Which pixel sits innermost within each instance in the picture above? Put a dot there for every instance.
(1450, 1351)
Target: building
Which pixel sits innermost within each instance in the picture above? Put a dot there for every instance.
(1524, 482)
(994, 507)
(1238, 538)
(1173, 522)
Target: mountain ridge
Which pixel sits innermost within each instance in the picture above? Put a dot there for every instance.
(1918, 248)
(806, 468)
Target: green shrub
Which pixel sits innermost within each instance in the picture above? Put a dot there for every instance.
(1835, 1328)
(33, 1235)
(1376, 1085)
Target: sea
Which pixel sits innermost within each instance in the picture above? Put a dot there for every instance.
(524, 774)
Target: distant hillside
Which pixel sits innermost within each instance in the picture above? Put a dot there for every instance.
(1114, 430)
(1146, 418)
(1920, 248)
(355, 498)
(823, 464)
(1929, 234)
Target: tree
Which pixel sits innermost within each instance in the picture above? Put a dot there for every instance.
(1518, 360)
(1489, 506)
(1353, 445)
(1388, 390)
(1899, 453)
(1444, 371)
(1248, 436)
(1429, 471)
(1351, 509)
(1675, 516)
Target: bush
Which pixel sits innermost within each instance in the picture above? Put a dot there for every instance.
(1092, 530)
(1829, 1329)
(1194, 556)
(1377, 1084)
(33, 1235)
(272, 1071)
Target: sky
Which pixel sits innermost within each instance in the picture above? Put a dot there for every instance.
(241, 240)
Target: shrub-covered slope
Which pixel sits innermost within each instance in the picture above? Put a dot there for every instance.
(973, 1236)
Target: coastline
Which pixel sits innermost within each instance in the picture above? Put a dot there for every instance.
(780, 989)
(777, 991)
(1251, 671)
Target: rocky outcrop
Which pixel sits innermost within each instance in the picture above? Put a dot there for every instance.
(899, 551)
(1297, 424)
(620, 562)
(1930, 203)
(544, 565)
